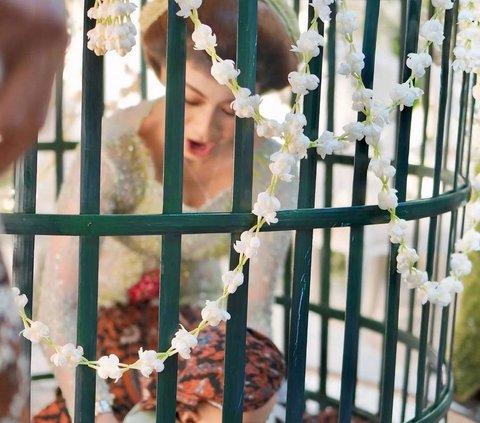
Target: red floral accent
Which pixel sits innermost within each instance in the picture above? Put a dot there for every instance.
(147, 288)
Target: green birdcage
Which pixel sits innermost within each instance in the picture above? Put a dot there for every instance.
(411, 378)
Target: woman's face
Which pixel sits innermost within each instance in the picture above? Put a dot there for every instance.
(209, 120)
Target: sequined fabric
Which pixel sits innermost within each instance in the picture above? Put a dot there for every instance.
(128, 185)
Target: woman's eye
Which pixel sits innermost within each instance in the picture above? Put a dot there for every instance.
(192, 102)
(228, 111)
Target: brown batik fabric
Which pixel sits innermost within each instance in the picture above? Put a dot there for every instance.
(200, 378)
(122, 330)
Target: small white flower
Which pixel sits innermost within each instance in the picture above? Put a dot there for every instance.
(460, 265)
(406, 259)
(203, 38)
(108, 367)
(387, 199)
(379, 113)
(281, 165)
(405, 95)
(469, 242)
(372, 133)
(266, 206)
(224, 71)
(354, 131)
(436, 294)
(354, 63)
(414, 278)
(298, 145)
(328, 144)
(233, 278)
(294, 123)
(302, 83)
(269, 128)
(183, 342)
(21, 300)
(347, 22)
(148, 362)
(322, 9)
(245, 104)
(381, 167)
(432, 30)
(418, 63)
(248, 245)
(213, 314)
(36, 332)
(362, 99)
(453, 285)
(309, 43)
(397, 230)
(442, 4)
(186, 7)
(67, 355)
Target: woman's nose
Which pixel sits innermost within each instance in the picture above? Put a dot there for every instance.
(207, 125)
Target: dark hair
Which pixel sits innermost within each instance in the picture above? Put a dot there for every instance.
(274, 58)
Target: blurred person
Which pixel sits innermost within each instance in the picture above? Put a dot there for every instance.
(33, 38)
(131, 182)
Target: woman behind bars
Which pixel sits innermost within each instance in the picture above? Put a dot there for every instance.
(131, 182)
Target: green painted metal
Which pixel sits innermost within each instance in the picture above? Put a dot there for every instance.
(355, 258)
(242, 202)
(297, 344)
(393, 288)
(172, 203)
(434, 354)
(92, 111)
(105, 225)
(24, 245)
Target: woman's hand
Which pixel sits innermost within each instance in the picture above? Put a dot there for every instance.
(106, 418)
(33, 38)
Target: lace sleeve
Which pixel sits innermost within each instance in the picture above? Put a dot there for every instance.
(59, 282)
(267, 268)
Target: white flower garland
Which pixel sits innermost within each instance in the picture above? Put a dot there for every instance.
(114, 30)
(294, 148)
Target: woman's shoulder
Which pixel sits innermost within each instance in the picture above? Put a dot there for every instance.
(125, 122)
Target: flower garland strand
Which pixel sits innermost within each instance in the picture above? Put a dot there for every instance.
(376, 117)
(114, 30)
(467, 48)
(294, 147)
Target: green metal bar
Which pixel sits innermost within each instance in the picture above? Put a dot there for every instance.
(355, 259)
(172, 203)
(242, 202)
(92, 111)
(287, 292)
(59, 129)
(143, 69)
(420, 393)
(446, 53)
(24, 245)
(325, 282)
(155, 224)
(303, 257)
(452, 233)
(53, 146)
(331, 67)
(450, 85)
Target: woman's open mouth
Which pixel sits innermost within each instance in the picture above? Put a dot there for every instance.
(198, 149)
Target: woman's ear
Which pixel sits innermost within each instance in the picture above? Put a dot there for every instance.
(189, 417)
(162, 73)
